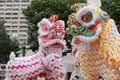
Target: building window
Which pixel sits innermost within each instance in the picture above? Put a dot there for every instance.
(8, 13)
(23, 26)
(9, 5)
(9, 1)
(13, 30)
(22, 22)
(15, 18)
(25, 0)
(1, 17)
(15, 9)
(16, 0)
(22, 17)
(1, 5)
(2, 1)
(24, 5)
(14, 26)
(8, 30)
(16, 5)
(1, 9)
(15, 13)
(7, 26)
(22, 39)
(22, 9)
(8, 21)
(22, 31)
(8, 18)
(22, 35)
(14, 22)
(1, 13)
(8, 9)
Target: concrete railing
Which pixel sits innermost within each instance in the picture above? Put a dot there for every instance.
(69, 65)
(2, 71)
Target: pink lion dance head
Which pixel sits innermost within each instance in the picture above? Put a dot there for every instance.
(51, 34)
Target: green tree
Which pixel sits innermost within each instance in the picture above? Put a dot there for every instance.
(112, 7)
(39, 9)
(6, 45)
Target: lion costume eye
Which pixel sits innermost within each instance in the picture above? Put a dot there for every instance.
(87, 17)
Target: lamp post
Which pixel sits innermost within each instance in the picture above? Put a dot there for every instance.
(15, 39)
(23, 48)
(33, 46)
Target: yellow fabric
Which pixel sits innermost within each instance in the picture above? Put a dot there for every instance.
(103, 51)
(106, 27)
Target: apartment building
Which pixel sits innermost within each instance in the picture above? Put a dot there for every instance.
(11, 12)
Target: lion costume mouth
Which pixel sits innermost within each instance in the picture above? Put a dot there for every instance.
(56, 45)
(92, 29)
(53, 43)
(86, 34)
(85, 39)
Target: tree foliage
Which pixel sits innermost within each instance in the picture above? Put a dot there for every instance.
(6, 45)
(39, 9)
(112, 7)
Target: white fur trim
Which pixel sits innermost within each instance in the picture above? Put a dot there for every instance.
(48, 25)
(26, 57)
(12, 55)
(84, 11)
(96, 3)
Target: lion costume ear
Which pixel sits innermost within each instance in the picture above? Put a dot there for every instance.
(44, 26)
(96, 3)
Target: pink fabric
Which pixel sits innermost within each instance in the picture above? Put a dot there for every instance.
(49, 65)
(43, 63)
(74, 51)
